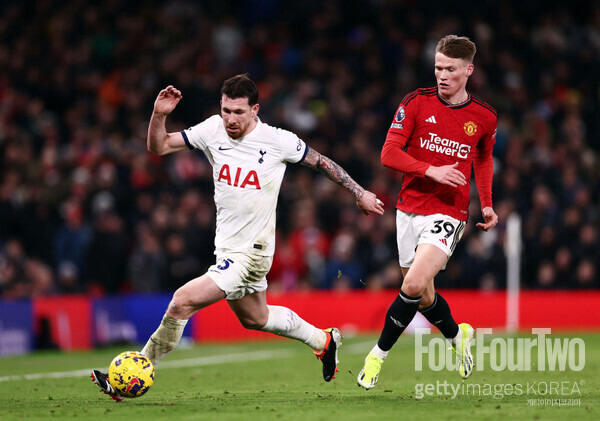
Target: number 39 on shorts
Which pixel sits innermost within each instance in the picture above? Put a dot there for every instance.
(447, 233)
(440, 225)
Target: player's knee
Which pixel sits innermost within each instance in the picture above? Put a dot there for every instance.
(180, 305)
(413, 287)
(252, 323)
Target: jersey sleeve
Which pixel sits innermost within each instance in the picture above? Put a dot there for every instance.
(393, 154)
(293, 149)
(196, 136)
(483, 166)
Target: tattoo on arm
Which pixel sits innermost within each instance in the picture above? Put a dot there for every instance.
(333, 171)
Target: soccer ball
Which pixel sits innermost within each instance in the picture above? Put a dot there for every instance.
(131, 374)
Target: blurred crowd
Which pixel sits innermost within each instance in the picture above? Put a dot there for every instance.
(85, 208)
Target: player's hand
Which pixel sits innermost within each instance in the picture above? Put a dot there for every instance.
(490, 218)
(167, 100)
(370, 203)
(446, 174)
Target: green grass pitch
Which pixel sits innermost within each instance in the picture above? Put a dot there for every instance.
(281, 380)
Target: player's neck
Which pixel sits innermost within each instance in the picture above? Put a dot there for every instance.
(457, 98)
(250, 128)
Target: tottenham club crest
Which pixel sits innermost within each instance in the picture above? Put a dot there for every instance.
(470, 128)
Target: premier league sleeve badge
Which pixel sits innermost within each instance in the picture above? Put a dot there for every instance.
(400, 114)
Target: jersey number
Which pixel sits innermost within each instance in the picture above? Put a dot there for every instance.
(224, 264)
(447, 226)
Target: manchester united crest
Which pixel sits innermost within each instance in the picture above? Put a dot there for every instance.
(470, 128)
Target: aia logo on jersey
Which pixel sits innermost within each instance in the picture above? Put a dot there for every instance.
(470, 128)
(249, 180)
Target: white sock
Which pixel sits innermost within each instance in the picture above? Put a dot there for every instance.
(379, 353)
(164, 339)
(284, 322)
(457, 338)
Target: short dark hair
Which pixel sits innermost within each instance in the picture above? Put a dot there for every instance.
(241, 86)
(457, 47)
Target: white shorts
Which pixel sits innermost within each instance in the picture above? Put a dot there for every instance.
(239, 274)
(442, 231)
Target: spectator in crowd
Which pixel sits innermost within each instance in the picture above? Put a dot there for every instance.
(72, 239)
(342, 270)
(147, 266)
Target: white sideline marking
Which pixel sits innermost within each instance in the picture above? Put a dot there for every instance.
(56, 375)
(190, 362)
(228, 358)
(358, 348)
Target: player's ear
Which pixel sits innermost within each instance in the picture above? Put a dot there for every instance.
(255, 109)
(470, 69)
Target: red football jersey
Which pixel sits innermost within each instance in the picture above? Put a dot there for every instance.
(427, 130)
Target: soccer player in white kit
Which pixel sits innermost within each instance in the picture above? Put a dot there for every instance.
(249, 159)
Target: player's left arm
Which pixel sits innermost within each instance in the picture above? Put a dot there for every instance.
(483, 169)
(365, 200)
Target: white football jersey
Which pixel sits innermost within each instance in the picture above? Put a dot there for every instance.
(247, 174)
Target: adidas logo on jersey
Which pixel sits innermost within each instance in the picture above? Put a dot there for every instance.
(431, 120)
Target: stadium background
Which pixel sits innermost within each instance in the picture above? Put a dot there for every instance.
(87, 214)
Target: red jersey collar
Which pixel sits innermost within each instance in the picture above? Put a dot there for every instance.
(455, 106)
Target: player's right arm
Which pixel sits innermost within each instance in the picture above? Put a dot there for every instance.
(394, 156)
(160, 142)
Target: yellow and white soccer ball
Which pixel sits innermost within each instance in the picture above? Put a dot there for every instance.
(131, 374)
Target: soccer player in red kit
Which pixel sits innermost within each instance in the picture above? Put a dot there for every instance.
(437, 135)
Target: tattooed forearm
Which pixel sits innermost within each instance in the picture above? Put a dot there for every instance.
(333, 171)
